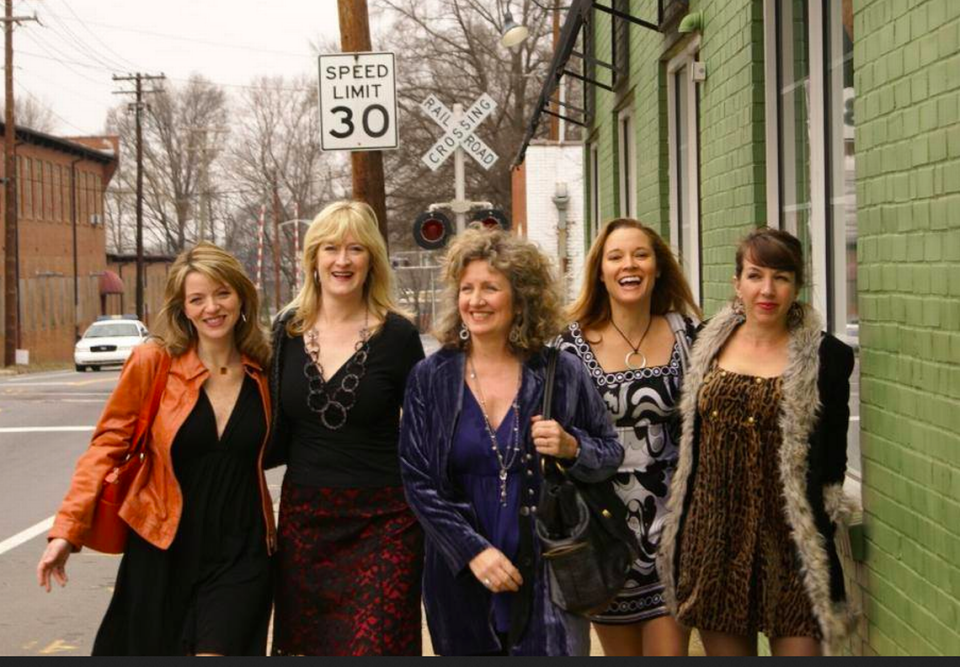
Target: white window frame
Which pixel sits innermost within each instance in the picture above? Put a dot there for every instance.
(690, 257)
(818, 174)
(627, 161)
(817, 119)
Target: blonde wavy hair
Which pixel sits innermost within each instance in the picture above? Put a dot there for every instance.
(176, 334)
(536, 295)
(671, 292)
(334, 223)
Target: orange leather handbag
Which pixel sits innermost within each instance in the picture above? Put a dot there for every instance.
(108, 532)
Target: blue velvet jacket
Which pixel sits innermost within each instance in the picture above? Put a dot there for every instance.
(459, 609)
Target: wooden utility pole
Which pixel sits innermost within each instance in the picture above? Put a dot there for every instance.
(368, 185)
(11, 292)
(138, 108)
(276, 242)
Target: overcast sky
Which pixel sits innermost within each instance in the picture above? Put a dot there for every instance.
(67, 62)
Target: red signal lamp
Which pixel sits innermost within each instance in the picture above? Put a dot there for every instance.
(491, 218)
(432, 230)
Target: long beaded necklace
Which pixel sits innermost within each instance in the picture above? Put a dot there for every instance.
(333, 406)
(635, 348)
(505, 460)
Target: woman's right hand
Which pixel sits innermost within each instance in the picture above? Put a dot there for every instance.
(495, 571)
(53, 562)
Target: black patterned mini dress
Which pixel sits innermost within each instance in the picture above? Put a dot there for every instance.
(644, 407)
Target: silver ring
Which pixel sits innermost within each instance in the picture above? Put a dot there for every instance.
(486, 582)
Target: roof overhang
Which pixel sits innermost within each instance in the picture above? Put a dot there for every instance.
(578, 15)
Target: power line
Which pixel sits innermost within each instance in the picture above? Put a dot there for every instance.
(121, 58)
(242, 47)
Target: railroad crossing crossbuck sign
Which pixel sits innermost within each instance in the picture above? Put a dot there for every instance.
(459, 132)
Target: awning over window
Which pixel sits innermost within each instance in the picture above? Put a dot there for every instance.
(578, 15)
(110, 283)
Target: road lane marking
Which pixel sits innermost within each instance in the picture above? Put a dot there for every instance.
(80, 383)
(26, 535)
(58, 646)
(44, 429)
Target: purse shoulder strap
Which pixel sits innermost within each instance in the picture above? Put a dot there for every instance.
(148, 410)
(549, 380)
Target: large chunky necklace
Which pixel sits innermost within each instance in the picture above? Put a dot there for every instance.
(334, 403)
(505, 459)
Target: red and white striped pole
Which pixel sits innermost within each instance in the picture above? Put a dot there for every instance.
(260, 223)
(296, 246)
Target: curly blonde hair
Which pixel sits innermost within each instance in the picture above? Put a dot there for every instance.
(176, 334)
(536, 295)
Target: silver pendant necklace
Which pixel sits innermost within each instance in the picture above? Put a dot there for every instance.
(634, 349)
(505, 460)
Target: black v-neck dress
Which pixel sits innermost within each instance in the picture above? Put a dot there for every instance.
(210, 592)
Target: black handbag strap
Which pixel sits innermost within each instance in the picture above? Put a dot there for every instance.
(549, 380)
(523, 600)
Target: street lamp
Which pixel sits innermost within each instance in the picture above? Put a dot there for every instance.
(513, 32)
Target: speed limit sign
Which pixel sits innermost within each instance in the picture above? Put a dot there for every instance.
(358, 102)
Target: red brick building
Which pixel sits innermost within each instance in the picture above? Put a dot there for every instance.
(62, 242)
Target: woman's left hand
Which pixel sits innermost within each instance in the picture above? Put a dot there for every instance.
(551, 440)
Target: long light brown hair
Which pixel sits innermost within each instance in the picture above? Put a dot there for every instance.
(535, 290)
(176, 334)
(334, 223)
(671, 292)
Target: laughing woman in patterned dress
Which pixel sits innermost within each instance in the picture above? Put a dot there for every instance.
(632, 326)
(350, 550)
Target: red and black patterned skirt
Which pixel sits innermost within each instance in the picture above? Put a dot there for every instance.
(349, 567)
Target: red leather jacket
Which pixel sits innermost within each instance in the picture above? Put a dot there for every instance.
(154, 503)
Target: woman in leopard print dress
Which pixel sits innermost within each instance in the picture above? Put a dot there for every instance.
(748, 543)
(632, 328)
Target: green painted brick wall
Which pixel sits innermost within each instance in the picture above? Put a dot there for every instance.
(732, 160)
(907, 78)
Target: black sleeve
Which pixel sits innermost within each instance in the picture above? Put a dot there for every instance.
(836, 366)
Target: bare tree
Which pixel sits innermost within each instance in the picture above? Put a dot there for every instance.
(276, 145)
(451, 49)
(177, 149)
(34, 113)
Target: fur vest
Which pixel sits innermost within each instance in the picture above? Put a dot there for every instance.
(814, 415)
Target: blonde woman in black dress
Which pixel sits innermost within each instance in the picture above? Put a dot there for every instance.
(632, 327)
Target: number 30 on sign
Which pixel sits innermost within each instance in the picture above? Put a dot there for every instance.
(358, 102)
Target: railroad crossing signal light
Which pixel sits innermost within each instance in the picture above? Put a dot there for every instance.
(432, 230)
(491, 218)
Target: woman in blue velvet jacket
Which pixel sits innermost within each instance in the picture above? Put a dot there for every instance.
(471, 437)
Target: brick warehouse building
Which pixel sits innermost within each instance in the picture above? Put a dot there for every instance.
(48, 212)
(838, 120)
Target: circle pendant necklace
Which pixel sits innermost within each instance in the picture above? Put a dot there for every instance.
(634, 349)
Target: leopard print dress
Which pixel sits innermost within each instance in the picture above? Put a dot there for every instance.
(643, 405)
(739, 569)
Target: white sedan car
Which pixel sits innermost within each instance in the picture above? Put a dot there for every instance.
(108, 342)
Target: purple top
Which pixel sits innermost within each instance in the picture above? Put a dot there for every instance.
(476, 469)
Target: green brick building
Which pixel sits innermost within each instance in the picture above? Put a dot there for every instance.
(838, 120)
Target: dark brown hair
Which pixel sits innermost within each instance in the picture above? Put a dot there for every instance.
(671, 292)
(772, 249)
